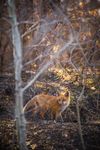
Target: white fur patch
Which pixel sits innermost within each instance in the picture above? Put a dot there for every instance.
(64, 102)
(63, 108)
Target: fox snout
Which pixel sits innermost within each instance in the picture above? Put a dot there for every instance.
(64, 102)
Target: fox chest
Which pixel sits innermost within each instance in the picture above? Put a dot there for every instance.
(63, 107)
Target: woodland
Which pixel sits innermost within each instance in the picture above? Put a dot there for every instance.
(50, 46)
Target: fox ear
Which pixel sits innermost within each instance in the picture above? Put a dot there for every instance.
(67, 93)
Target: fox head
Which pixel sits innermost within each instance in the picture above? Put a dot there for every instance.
(64, 99)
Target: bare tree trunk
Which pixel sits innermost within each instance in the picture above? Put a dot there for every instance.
(17, 54)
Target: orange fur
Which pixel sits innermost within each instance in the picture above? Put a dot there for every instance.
(43, 103)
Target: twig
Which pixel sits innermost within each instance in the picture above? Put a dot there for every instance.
(50, 62)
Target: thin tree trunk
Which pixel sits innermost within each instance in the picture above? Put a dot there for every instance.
(17, 54)
(79, 119)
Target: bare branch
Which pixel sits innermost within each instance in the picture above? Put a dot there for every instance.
(56, 55)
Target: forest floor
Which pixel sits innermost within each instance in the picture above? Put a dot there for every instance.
(47, 135)
(50, 136)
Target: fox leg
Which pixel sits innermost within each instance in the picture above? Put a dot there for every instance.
(42, 113)
(61, 118)
(34, 114)
(54, 116)
(51, 115)
(57, 116)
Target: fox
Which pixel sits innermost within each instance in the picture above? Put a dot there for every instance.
(43, 103)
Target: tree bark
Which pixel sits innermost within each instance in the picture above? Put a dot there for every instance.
(17, 54)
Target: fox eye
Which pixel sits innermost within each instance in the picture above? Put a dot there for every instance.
(59, 101)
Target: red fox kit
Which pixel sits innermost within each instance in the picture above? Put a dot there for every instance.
(43, 103)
